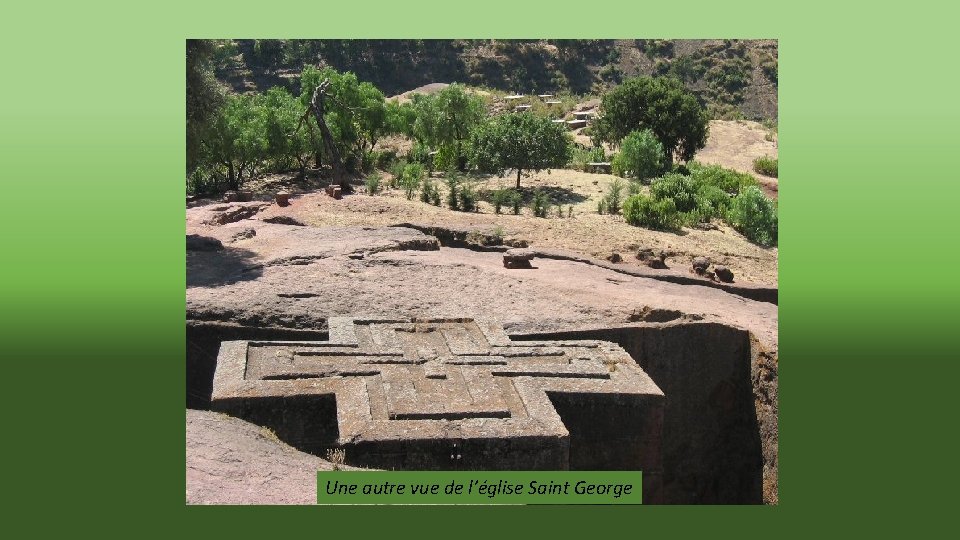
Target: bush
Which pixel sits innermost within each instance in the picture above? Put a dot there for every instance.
(766, 165)
(681, 189)
(540, 204)
(468, 198)
(614, 196)
(428, 191)
(412, 175)
(643, 211)
(516, 200)
(498, 198)
(373, 184)
(695, 200)
(641, 156)
(452, 187)
(732, 182)
(581, 156)
(712, 202)
(384, 158)
(396, 169)
(202, 183)
(755, 216)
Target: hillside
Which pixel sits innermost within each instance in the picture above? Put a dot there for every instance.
(732, 78)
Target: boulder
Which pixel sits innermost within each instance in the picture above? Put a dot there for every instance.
(517, 258)
(654, 260)
(700, 265)
(723, 274)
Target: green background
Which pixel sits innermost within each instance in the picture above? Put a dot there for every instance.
(92, 150)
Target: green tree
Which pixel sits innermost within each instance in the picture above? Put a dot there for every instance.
(660, 104)
(282, 112)
(237, 138)
(521, 141)
(356, 114)
(641, 156)
(444, 121)
(400, 118)
(205, 96)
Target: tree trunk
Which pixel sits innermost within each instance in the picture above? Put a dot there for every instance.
(232, 176)
(518, 178)
(317, 103)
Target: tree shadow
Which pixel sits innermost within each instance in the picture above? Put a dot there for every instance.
(219, 267)
(556, 194)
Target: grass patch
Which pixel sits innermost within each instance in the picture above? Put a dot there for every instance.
(766, 165)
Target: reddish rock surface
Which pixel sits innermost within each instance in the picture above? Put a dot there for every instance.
(230, 461)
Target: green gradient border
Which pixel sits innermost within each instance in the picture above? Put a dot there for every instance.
(92, 145)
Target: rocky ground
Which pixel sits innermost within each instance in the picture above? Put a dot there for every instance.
(230, 461)
(256, 264)
(255, 273)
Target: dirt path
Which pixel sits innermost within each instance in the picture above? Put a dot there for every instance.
(734, 144)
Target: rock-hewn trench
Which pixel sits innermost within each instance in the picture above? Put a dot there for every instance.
(714, 377)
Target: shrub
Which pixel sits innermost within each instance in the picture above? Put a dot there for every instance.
(695, 200)
(396, 170)
(601, 206)
(452, 200)
(581, 156)
(732, 182)
(498, 234)
(540, 204)
(766, 165)
(712, 202)
(641, 156)
(412, 175)
(644, 211)
(755, 216)
(614, 196)
(468, 198)
(373, 184)
(681, 189)
(498, 198)
(428, 191)
(516, 200)
(205, 183)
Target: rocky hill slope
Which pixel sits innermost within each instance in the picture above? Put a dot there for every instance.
(733, 78)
